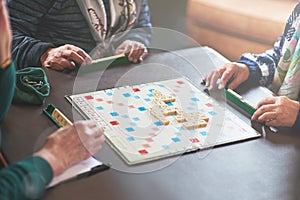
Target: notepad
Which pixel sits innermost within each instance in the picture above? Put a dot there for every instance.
(142, 125)
(75, 170)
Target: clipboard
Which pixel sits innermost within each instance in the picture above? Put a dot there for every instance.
(81, 170)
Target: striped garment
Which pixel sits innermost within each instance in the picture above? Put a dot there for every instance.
(42, 24)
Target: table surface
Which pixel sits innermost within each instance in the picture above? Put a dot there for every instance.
(263, 168)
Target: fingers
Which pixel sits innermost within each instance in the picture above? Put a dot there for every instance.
(277, 111)
(135, 51)
(230, 75)
(270, 100)
(64, 57)
(226, 76)
(264, 108)
(60, 64)
(212, 81)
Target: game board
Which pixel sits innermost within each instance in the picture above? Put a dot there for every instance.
(138, 128)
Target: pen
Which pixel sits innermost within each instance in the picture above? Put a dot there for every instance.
(94, 170)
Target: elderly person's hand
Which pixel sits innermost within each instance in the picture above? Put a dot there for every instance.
(64, 57)
(72, 144)
(5, 33)
(135, 51)
(231, 74)
(277, 111)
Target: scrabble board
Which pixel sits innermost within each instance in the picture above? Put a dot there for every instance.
(160, 119)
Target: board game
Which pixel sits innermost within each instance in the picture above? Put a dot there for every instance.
(156, 120)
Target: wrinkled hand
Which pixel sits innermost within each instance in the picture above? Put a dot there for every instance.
(277, 111)
(72, 144)
(5, 34)
(64, 57)
(232, 74)
(135, 51)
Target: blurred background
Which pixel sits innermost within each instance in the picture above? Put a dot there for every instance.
(169, 14)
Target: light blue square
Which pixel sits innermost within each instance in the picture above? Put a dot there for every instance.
(195, 99)
(158, 123)
(212, 113)
(176, 139)
(114, 114)
(130, 139)
(127, 95)
(136, 119)
(142, 109)
(170, 104)
(109, 93)
(203, 133)
(99, 108)
(125, 116)
(130, 129)
(150, 95)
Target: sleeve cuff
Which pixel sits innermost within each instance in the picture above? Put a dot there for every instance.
(41, 167)
(255, 73)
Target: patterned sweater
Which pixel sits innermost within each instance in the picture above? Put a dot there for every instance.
(42, 24)
(263, 66)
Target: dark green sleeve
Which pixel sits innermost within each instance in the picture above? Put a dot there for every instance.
(25, 180)
(7, 87)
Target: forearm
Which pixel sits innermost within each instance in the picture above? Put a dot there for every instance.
(25, 20)
(26, 179)
(27, 51)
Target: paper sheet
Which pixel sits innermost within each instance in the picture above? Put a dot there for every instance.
(75, 170)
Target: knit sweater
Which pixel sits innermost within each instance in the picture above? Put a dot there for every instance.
(42, 24)
(26, 179)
